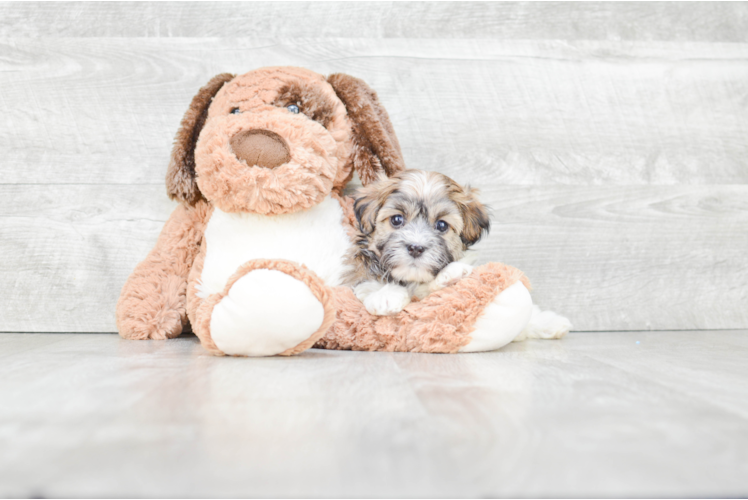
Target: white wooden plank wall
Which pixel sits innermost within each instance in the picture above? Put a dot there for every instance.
(611, 140)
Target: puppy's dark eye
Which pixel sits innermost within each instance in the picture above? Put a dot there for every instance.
(293, 108)
(442, 226)
(397, 220)
(235, 111)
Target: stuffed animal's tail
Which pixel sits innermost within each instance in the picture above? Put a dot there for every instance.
(544, 325)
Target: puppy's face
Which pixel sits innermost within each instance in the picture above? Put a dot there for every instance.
(417, 222)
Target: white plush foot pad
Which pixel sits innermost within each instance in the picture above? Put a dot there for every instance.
(502, 320)
(265, 313)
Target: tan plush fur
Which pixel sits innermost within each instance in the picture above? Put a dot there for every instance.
(317, 153)
(340, 126)
(152, 303)
(440, 323)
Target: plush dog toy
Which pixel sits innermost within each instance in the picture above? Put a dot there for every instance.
(252, 257)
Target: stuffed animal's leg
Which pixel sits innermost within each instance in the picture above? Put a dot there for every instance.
(152, 302)
(483, 311)
(268, 307)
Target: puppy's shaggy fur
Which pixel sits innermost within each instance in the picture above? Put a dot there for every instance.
(413, 230)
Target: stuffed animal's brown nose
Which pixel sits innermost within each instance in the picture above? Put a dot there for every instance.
(260, 147)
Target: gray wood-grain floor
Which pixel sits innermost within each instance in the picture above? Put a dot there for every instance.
(595, 414)
(611, 140)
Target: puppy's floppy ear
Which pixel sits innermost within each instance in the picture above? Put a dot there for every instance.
(369, 201)
(474, 215)
(180, 178)
(375, 145)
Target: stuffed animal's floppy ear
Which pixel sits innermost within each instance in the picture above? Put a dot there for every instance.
(180, 178)
(375, 145)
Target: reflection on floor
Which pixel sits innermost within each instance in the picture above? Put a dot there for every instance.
(607, 413)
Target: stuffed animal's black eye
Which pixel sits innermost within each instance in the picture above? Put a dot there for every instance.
(235, 111)
(441, 226)
(396, 220)
(293, 108)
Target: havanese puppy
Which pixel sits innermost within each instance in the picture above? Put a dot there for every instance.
(414, 231)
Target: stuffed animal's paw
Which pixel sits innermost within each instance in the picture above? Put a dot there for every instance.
(502, 319)
(387, 301)
(152, 309)
(264, 313)
(452, 274)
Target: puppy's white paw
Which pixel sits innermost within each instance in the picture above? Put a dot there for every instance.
(556, 326)
(389, 300)
(452, 274)
(363, 290)
(545, 325)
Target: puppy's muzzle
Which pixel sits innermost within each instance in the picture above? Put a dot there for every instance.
(261, 147)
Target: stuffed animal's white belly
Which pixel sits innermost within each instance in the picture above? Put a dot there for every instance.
(314, 237)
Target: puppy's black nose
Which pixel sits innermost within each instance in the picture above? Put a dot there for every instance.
(415, 250)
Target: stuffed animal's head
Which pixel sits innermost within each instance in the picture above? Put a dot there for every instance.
(279, 140)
